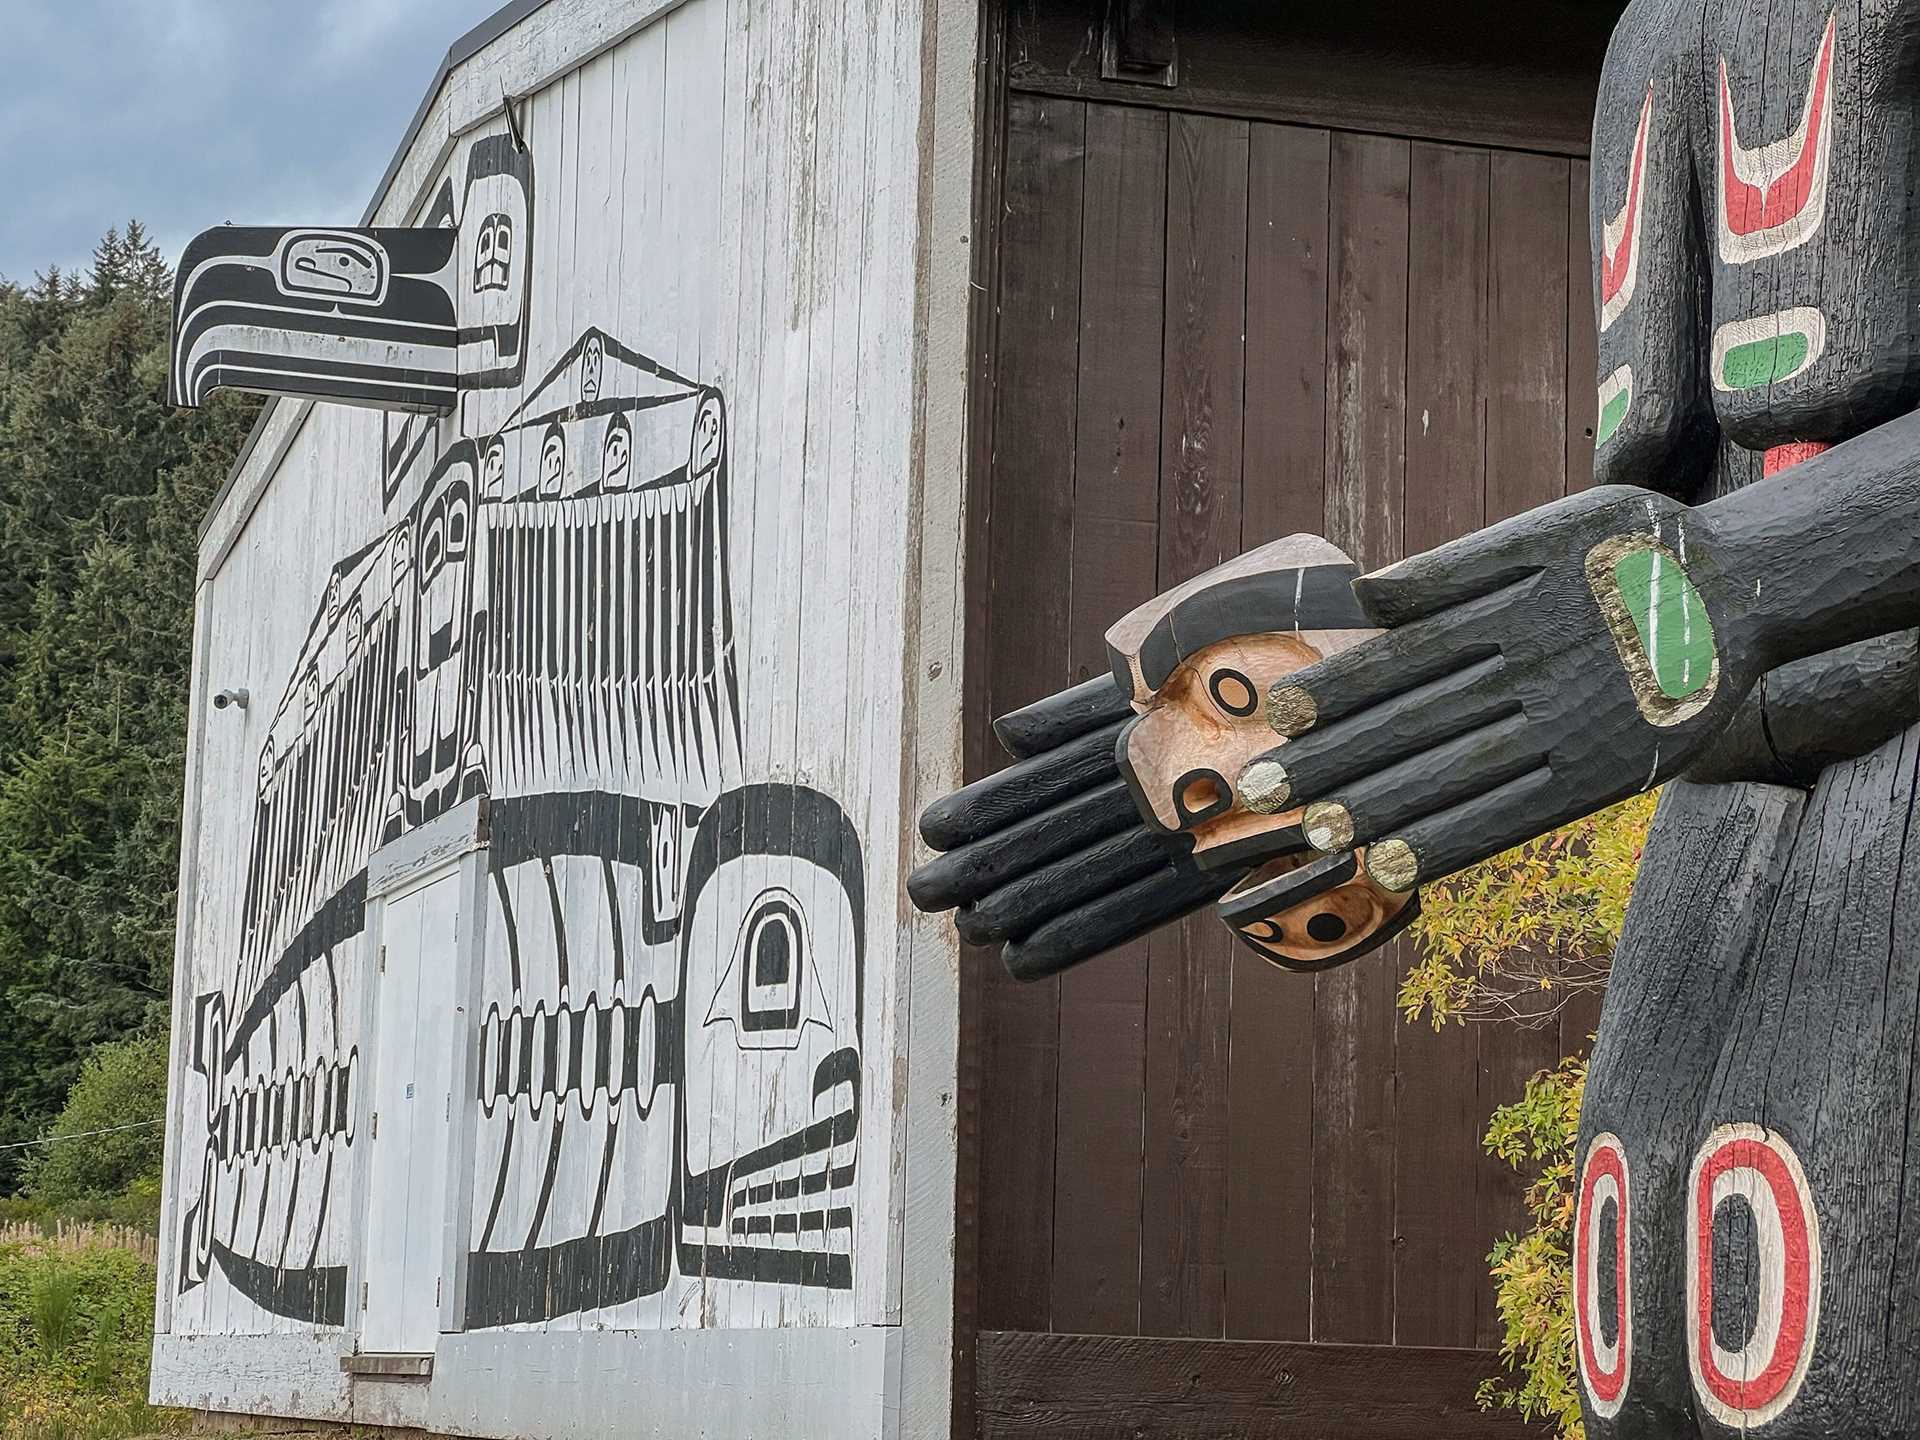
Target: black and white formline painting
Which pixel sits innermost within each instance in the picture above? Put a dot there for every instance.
(669, 1040)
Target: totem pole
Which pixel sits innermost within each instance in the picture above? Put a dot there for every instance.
(1727, 613)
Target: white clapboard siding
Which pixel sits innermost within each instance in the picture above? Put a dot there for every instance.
(738, 189)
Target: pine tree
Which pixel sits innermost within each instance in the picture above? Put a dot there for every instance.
(102, 487)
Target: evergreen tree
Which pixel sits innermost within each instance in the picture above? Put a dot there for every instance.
(102, 488)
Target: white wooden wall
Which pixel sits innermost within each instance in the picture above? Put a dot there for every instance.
(740, 189)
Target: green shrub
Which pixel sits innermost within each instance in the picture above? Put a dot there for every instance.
(76, 1326)
(1511, 939)
(116, 1175)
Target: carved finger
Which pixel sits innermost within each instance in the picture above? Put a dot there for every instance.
(1460, 572)
(1021, 906)
(1385, 666)
(1321, 761)
(1021, 790)
(1382, 803)
(1465, 834)
(967, 873)
(1114, 919)
(1050, 723)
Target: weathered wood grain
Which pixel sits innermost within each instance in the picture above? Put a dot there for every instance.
(1440, 1121)
(1097, 1216)
(1034, 431)
(1354, 1019)
(1086, 1387)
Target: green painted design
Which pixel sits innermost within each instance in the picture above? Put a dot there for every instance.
(1675, 634)
(1761, 362)
(1611, 416)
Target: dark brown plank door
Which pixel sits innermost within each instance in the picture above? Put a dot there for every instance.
(1270, 1055)
(1116, 529)
(1440, 1119)
(1212, 332)
(1027, 615)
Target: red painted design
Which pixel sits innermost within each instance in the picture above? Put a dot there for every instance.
(1751, 1395)
(1748, 209)
(1785, 457)
(1605, 1373)
(1617, 255)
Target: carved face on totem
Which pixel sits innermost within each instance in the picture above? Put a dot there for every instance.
(1198, 663)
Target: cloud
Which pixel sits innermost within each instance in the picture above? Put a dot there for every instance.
(195, 112)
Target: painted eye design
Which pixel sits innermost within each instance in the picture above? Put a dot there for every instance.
(1233, 692)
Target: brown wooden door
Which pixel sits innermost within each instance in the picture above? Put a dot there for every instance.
(1211, 332)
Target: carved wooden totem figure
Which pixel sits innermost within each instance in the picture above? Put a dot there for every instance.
(1730, 610)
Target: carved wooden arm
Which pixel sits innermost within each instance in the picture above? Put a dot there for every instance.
(1543, 668)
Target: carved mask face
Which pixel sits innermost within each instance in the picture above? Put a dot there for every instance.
(1203, 725)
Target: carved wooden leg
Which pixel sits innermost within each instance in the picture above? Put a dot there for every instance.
(1804, 1221)
(1713, 863)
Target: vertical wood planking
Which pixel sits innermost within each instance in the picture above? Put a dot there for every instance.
(1032, 499)
(1582, 342)
(1096, 1240)
(1286, 450)
(1183, 1220)
(1436, 1246)
(1354, 1016)
(1527, 441)
(1270, 1058)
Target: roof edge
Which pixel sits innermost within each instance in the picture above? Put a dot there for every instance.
(458, 53)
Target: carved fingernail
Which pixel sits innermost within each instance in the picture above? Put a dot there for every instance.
(1329, 826)
(1392, 863)
(1290, 710)
(1264, 788)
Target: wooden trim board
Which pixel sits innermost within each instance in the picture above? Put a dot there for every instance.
(1091, 1387)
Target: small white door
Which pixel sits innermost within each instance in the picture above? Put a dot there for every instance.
(415, 1033)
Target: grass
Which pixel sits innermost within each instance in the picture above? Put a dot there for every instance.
(76, 1326)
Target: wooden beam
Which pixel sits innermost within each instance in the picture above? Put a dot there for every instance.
(1516, 73)
(1092, 1387)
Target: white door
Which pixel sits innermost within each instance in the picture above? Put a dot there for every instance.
(412, 1121)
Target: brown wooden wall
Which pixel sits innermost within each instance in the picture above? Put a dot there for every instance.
(1208, 330)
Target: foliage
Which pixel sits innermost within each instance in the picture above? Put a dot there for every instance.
(102, 487)
(1514, 937)
(1533, 1273)
(114, 1172)
(1510, 940)
(76, 1325)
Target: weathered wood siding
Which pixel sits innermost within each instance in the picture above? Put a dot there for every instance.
(658, 599)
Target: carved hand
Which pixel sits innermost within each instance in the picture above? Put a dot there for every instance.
(1545, 667)
(1049, 857)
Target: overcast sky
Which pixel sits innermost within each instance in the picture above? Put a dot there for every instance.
(188, 113)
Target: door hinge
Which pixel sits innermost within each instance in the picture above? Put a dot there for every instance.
(436, 1292)
(363, 1294)
(376, 1124)
(383, 959)
(449, 1110)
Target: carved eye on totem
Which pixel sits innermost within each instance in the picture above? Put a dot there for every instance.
(355, 628)
(493, 253)
(553, 462)
(1233, 693)
(493, 469)
(266, 765)
(1202, 727)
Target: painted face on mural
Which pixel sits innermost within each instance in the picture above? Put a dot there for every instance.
(616, 454)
